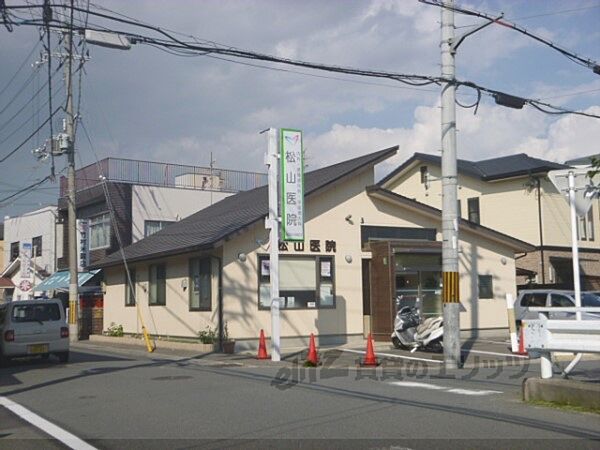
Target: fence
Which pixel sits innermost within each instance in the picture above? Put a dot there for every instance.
(164, 174)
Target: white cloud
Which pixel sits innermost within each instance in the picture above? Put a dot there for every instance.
(493, 132)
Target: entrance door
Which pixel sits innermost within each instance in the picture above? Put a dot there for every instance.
(407, 289)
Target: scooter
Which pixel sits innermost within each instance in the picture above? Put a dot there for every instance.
(412, 334)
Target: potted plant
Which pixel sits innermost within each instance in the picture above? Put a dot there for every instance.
(228, 343)
(209, 338)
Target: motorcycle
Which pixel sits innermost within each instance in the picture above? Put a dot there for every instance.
(411, 333)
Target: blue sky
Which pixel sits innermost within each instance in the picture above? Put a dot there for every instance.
(146, 104)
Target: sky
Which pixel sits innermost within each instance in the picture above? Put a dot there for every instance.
(146, 104)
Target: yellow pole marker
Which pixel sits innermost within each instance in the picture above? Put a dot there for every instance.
(450, 291)
(150, 343)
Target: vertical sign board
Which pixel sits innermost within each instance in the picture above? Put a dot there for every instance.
(83, 244)
(25, 284)
(25, 260)
(292, 185)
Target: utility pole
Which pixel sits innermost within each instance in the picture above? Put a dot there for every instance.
(72, 219)
(450, 287)
(272, 223)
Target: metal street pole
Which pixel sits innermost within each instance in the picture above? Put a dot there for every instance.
(450, 290)
(576, 280)
(272, 161)
(72, 219)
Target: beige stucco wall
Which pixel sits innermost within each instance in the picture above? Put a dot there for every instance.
(506, 206)
(325, 220)
(173, 319)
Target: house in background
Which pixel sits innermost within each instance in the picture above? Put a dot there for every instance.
(41, 230)
(144, 197)
(513, 195)
(364, 246)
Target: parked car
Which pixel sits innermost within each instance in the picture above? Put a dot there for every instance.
(528, 298)
(33, 327)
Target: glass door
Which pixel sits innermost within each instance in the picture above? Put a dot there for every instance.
(407, 289)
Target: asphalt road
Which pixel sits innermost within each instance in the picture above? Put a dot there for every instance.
(122, 398)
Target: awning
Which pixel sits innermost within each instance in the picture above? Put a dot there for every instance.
(60, 280)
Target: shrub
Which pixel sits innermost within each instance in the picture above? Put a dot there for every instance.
(115, 330)
(208, 336)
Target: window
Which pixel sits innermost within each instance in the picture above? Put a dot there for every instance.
(560, 301)
(200, 284)
(36, 244)
(538, 299)
(14, 250)
(152, 226)
(48, 312)
(458, 209)
(473, 206)
(100, 231)
(486, 288)
(130, 288)
(157, 277)
(424, 175)
(590, 221)
(304, 282)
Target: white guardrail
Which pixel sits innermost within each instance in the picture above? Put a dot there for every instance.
(546, 335)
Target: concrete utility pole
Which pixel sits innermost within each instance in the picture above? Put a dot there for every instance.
(272, 161)
(72, 221)
(450, 289)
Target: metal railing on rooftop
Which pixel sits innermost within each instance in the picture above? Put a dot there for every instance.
(150, 173)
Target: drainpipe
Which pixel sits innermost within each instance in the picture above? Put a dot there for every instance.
(539, 197)
(220, 303)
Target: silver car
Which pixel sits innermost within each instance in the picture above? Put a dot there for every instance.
(33, 327)
(552, 299)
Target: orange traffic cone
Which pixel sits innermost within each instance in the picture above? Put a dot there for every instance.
(522, 350)
(370, 359)
(312, 358)
(262, 347)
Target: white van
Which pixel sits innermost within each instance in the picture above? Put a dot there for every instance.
(33, 327)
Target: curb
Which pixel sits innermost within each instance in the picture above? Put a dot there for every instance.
(566, 392)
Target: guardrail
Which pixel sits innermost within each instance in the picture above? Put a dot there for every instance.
(545, 336)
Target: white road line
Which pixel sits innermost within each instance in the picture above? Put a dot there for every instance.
(391, 355)
(510, 355)
(70, 440)
(433, 387)
(436, 387)
(473, 391)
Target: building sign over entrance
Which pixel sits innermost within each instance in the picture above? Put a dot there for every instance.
(315, 246)
(292, 185)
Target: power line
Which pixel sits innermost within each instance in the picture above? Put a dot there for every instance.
(410, 79)
(29, 119)
(12, 152)
(571, 94)
(586, 62)
(25, 189)
(35, 94)
(6, 86)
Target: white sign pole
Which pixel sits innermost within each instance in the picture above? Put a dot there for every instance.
(272, 162)
(576, 280)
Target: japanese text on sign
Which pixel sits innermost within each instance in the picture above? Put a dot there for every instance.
(292, 185)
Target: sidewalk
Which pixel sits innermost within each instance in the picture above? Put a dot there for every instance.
(477, 352)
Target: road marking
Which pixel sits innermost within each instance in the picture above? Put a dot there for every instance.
(433, 387)
(436, 387)
(391, 355)
(473, 391)
(70, 440)
(510, 355)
